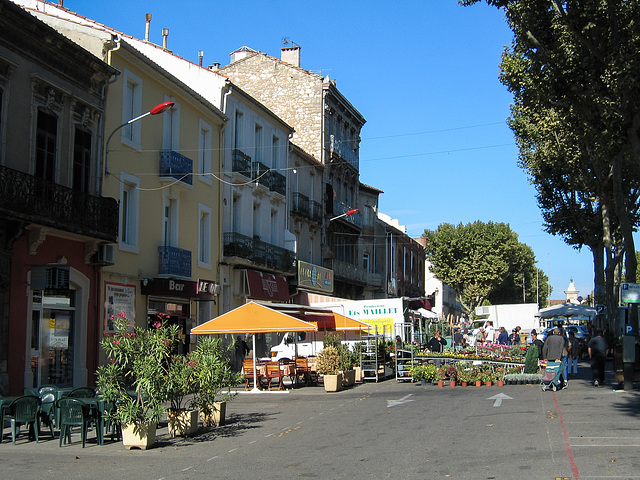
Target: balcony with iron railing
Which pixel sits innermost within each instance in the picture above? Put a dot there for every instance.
(278, 183)
(258, 252)
(241, 163)
(340, 208)
(31, 199)
(175, 165)
(347, 271)
(344, 151)
(315, 211)
(261, 174)
(174, 261)
(300, 204)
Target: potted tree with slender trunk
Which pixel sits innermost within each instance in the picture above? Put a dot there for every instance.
(136, 378)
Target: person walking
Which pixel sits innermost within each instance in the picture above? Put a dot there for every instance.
(574, 352)
(554, 348)
(598, 351)
(537, 342)
(503, 337)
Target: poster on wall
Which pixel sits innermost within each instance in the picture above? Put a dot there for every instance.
(119, 299)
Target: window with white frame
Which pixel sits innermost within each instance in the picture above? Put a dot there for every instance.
(365, 262)
(170, 222)
(237, 134)
(204, 236)
(275, 151)
(171, 126)
(131, 108)
(204, 151)
(257, 143)
(129, 212)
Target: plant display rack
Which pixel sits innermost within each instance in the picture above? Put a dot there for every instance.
(404, 358)
(369, 358)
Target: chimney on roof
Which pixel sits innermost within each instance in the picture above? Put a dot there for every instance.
(215, 66)
(200, 55)
(147, 19)
(61, 3)
(291, 55)
(165, 34)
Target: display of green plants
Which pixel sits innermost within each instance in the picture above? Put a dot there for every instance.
(531, 359)
(180, 380)
(466, 376)
(452, 373)
(441, 373)
(212, 374)
(136, 377)
(418, 372)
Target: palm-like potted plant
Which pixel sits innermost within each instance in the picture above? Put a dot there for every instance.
(213, 378)
(135, 379)
(180, 383)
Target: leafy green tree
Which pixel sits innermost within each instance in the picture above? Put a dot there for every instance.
(480, 260)
(573, 70)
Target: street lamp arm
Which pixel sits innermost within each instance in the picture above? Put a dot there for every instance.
(161, 107)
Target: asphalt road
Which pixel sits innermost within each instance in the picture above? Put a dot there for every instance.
(375, 430)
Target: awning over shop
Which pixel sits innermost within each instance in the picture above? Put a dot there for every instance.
(324, 319)
(267, 286)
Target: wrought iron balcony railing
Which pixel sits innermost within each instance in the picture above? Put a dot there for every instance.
(278, 183)
(340, 208)
(300, 204)
(175, 165)
(315, 211)
(258, 252)
(174, 261)
(347, 271)
(241, 163)
(35, 200)
(261, 174)
(344, 151)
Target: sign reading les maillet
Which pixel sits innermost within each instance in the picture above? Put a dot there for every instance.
(313, 277)
(170, 287)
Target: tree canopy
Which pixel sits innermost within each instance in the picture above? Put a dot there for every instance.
(573, 69)
(484, 261)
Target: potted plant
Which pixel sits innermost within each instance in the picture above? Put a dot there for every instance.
(419, 373)
(347, 361)
(464, 377)
(136, 377)
(328, 365)
(212, 375)
(452, 373)
(180, 382)
(441, 374)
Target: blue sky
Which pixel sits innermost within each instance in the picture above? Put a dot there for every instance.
(425, 77)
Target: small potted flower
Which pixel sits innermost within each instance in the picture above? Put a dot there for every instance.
(441, 374)
(452, 373)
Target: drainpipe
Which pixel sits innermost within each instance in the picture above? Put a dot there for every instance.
(101, 154)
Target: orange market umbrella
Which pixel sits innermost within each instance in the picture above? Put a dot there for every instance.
(253, 318)
(336, 321)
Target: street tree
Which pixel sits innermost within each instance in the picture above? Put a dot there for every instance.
(478, 259)
(573, 69)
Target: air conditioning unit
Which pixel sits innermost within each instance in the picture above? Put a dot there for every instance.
(106, 255)
(483, 311)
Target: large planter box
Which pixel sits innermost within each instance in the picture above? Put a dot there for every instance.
(138, 436)
(332, 383)
(348, 378)
(183, 423)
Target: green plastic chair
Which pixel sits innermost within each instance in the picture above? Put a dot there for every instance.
(82, 392)
(47, 413)
(24, 411)
(75, 413)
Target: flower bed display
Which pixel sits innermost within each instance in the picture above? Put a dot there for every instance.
(491, 353)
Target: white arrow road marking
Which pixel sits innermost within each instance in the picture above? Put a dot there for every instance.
(498, 399)
(405, 399)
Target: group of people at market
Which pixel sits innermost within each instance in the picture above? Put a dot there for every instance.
(557, 347)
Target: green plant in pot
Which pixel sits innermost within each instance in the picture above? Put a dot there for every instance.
(135, 379)
(213, 378)
(328, 365)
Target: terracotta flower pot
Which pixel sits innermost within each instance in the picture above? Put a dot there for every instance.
(488, 383)
(452, 383)
(478, 383)
(441, 383)
(501, 383)
(464, 384)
